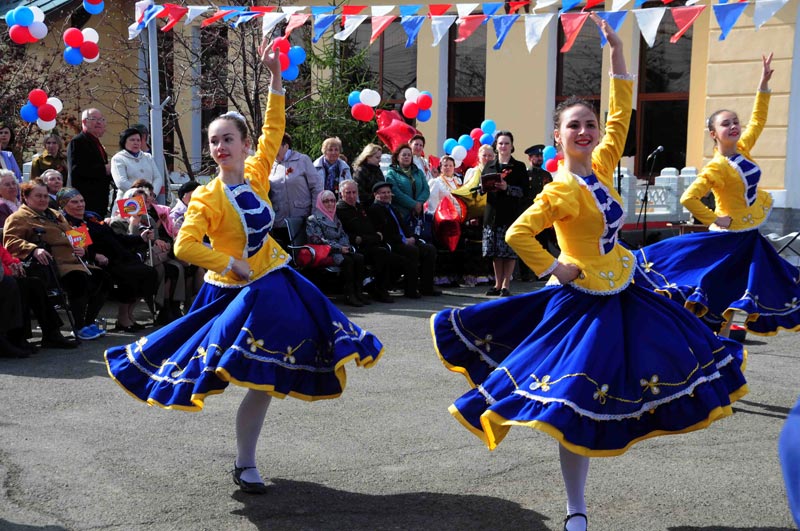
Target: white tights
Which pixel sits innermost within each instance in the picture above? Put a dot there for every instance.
(574, 469)
(249, 420)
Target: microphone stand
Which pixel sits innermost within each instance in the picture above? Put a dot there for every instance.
(646, 200)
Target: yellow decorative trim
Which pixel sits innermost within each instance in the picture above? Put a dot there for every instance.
(449, 366)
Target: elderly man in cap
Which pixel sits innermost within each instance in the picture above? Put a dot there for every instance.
(419, 257)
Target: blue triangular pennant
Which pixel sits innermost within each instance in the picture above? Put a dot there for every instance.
(412, 25)
(322, 23)
(614, 19)
(409, 10)
(321, 10)
(567, 5)
(727, 15)
(502, 25)
(490, 8)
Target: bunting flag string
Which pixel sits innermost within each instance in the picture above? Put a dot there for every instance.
(413, 16)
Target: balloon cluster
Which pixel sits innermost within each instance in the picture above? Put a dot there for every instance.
(41, 109)
(551, 156)
(81, 46)
(26, 24)
(458, 149)
(362, 104)
(418, 104)
(291, 57)
(484, 135)
(93, 7)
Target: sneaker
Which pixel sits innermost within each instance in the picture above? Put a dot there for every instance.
(100, 332)
(87, 333)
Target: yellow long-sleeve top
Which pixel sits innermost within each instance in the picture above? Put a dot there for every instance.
(213, 211)
(728, 185)
(568, 205)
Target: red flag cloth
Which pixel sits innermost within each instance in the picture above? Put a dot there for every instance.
(262, 9)
(215, 17)
(392, 129)
(433, 161)
(467, 26)
(684, 18)
(447, 224)
(351, 10)
(436, 10)
(379, 25)
(79, 236)
(175, 14)
(514, 6)
(572, 24)
(591, 3)
(133, 206)
(295, 21)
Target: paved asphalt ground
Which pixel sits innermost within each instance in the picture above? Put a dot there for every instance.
(78, 453)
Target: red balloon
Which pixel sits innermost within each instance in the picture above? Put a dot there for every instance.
(362, 112)
(284, 60)
(560, 155)
(551, 165)
(90, 50)
(37, 97)
(93, 2)
(410, 109)
(73, 37)
(47, 112)
(20, 34)
(281, 44)
(424, 102)
(476, 134)
(393, 130)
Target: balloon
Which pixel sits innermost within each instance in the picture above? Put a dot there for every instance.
(424, 115)
(93, 59)
(284, 60)
(459, 153)
(29, 113)
(370, 97)
(281, 44)
(354, 97)
(560, 156)
(551, 165)
(38, 30)
(73, 55)
(362, 112)
(73, 37)
(449, 144)
(93, 9)
(90, 35)
(19, 34)
(549, 152)
(47, 112)
(38, 14)
(424, 101)
(412, 94)
(410, 109)
(488, 126)
(37, 97)
(476, 134)
(487, 139)
(93, 1)
(45, 126)
(23, 16)
(297, 55)
(392, 129)
(291, 73)
(56, 103)
(10, 18)
(89, 50)
(466, 141)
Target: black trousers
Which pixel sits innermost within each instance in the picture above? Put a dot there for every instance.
(420, 263)
(352, 272)
(386, 266)
(31, 294)
(134, 280)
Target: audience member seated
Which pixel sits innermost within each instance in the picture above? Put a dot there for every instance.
(194, 274)
(323, 228)
(367, 167)
(52, 157)
(9, 195)
(37, 234)
(355, 221)
(410, 188)
(115, 254)
(54, 181)
(420, 257)
(330, 166)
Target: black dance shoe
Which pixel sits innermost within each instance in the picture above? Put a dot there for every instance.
(246, 486)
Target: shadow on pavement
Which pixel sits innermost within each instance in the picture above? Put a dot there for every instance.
(721, 528)
(778, 412)
(5, 525)
(295, 505)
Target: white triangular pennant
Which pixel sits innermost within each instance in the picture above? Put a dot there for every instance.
(381, 11)
(140, 8)
(440, 25)
(541, 4)
(648, 21)
(193, 13)
(534, 28)
(617, 5)
(350, 25)
(270, 21)
(291, 10)
(765, 10)
(465, 9)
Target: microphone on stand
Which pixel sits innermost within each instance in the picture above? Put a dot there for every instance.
(655, 152)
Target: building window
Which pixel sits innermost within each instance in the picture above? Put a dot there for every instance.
(213, 76)
(578, 71)
(466, 82)
(393, 65)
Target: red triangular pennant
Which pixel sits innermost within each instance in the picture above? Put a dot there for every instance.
(262, 9)
(351, 10)
(513, 6)
(591, 3)
(572, 24)
(216, 16)
(295, 21)
(175, 14)
(467, 26)
(439, 9)
(684, 18)
(379, 25)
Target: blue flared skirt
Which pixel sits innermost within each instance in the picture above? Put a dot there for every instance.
(598, 373)
(278, 334)
(715, 274)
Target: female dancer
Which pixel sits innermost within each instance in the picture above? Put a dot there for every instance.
(255, 322)
(732, 268)
(602, 363)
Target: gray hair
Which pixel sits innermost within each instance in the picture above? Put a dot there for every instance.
(347, 182)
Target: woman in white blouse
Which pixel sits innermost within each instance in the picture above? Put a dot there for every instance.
(131, 163)
(443, 185)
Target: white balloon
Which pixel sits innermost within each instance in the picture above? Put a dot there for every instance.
(92, 60)
(38, 14)
(459, 153)
(90, 35)
(412, 94)
(370, 97)
(45, 126)
(38, 30)
(56, 103)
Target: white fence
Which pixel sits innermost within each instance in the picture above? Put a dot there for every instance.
(663, 197)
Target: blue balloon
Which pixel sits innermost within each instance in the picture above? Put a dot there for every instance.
(424, 115)
(449, 144)
(10, 18)
(73, 56)
(297, 55)
(23, 16)
(549, 152)
(29, 113)
(354, 97)
(291, 73)
(487, 139)
(488, 127)
(93, 9)
(466, 141)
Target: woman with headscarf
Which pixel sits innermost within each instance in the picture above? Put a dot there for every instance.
(323, 227)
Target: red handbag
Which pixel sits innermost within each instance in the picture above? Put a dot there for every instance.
(314, 255)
